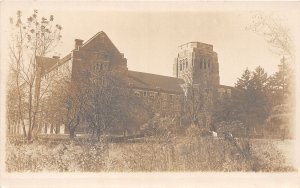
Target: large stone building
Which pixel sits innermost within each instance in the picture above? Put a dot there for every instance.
(196, 64)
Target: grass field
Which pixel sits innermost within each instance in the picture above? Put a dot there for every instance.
(176, 154)
(287, 148)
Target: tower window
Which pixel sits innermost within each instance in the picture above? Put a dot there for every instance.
(180, 66)
(208, 64)
(201, 64)
(204, 65)
(186, 63)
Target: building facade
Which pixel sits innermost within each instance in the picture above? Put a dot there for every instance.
(196, 64)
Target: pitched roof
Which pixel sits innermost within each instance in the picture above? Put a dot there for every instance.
(99, 34)
(153, 82)
(226, 87)
(46, 62)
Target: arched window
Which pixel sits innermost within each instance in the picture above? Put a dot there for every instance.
(201, 64)
(208, 64)
(186, 63)
(205, 65)
(180, 66)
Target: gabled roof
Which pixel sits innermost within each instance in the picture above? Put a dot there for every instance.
(46, 63)
(154, 82)
(101, 33)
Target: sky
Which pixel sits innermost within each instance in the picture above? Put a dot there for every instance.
(149, 37)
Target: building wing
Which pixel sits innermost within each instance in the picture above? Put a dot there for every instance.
(149, 81)
(46, 63)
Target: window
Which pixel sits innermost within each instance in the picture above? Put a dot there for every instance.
(204, 65)
(201, 64)
(99, 66)
(164, 96)
(180, 66)
(186, 64)
(151, 95)
(136, 93)
(103, 80)
(208, 64)
(145, 93)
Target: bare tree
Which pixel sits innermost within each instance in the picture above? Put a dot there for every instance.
(106, 91)
(29, 39)
(64, 105)
(198, 98)
(279, 37)
(74, 105)
(275, 33)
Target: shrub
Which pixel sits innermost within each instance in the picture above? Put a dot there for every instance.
(236, 128)
(156, 153)
(67, 156)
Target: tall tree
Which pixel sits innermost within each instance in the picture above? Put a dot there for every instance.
(251, 100)
(244, 81)
(198, 99)
(104, 91)
(280, 83)
(276, 33)
(30, 38)
(282, 96)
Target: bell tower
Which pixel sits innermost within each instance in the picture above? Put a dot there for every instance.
(197, 64)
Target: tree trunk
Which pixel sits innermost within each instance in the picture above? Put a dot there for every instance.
(124, 132)
(24, 131)
(98, 134)
(29, 135)
(72, 133)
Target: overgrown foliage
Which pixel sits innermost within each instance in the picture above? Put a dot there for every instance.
(160, 154)
(30, 38)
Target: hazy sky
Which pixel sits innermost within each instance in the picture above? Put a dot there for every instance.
(149, 38)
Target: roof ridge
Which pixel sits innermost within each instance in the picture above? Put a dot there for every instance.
(137, 79)
(154, 74)
(96, 35)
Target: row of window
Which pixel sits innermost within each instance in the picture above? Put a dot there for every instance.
(99, 66)
(167, 107)
(204, 63)
(152, 95)
(223, 90)
(183, 64)
(102, 55)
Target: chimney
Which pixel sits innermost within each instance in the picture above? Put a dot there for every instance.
(55, 57)
(78, 43)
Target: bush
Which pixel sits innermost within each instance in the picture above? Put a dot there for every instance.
(164, 153)
(236, 128)
(70, 156)
(162, 125)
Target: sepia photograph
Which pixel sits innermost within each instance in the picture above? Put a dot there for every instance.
(148, 87)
